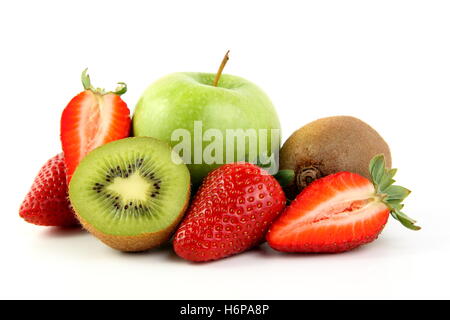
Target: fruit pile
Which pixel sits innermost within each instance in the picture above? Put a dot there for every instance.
(126, 182)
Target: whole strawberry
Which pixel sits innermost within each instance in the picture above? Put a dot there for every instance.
(47, 203)
(231, 213)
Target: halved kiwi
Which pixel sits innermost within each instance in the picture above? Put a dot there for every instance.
(131, 193)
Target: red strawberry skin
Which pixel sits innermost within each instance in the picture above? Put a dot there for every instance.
(230, 213)
(92, 119)
(47, 202)
(334, 214)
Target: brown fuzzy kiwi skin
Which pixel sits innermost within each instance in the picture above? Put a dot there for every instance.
(137, 243)
(331, 145)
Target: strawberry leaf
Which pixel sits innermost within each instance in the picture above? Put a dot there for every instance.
(392, 195)
(87, 85)
(406, 221)
(86, 80)
(387, 179)
(395, 204)
(396, 193)
(377, 169)
(285, 177)
(121, 88)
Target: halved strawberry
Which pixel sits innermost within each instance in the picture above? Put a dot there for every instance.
(91, 119)
(340, 212)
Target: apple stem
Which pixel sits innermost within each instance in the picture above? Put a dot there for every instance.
(222, 66)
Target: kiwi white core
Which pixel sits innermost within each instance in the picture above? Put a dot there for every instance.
(132, 188)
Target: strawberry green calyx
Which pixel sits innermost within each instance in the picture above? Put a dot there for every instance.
(285, 177)
(391, 195)
(86, 81)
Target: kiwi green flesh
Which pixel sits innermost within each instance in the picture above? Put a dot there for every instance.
(130, 187)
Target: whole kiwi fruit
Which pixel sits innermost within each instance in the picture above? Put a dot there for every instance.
(131, 193)
(331, 145)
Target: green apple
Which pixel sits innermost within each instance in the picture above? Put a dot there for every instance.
(206, 107)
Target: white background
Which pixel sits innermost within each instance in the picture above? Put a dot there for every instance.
(386, 62)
